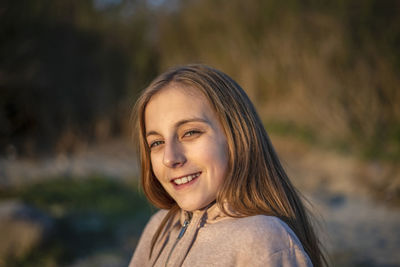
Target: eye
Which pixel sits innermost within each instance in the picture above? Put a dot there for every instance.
(155, 144)
(191, 133)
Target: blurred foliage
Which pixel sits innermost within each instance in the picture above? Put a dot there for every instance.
(67, 71)
(70, 69)
(291, 129)
(90, 214)
(329, 66)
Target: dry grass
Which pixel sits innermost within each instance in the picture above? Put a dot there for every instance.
(300, 67)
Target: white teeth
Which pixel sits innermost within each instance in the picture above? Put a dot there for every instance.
(186, 179)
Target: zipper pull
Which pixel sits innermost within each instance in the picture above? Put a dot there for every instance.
(183, 230)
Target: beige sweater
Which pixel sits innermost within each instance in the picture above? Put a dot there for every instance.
(213, 239)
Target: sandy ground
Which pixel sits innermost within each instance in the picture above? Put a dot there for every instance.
(356, 229)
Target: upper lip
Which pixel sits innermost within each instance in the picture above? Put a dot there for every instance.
(184, 175)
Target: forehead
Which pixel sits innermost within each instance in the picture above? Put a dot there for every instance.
(174, 103)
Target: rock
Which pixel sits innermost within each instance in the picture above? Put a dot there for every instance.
(22, 228)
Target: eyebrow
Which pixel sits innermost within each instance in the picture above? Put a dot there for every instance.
(179, 123)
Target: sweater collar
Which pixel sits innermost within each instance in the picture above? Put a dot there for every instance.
(211, 213)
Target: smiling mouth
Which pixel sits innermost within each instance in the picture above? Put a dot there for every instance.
(186, 179)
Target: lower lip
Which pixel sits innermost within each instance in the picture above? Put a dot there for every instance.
(183, 186)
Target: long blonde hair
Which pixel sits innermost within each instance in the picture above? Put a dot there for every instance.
(256, 182)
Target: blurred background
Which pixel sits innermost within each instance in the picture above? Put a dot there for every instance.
(324, 76)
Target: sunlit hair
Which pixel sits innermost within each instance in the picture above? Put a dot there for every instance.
(256, 182)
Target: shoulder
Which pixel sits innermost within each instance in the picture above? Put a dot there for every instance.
(140, 256)
(267, 227)
(265, 234)
(265, 239)
(155, 221)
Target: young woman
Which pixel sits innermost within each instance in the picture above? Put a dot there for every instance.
(208, 164)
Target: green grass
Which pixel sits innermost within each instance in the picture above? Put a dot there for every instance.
(90, 214)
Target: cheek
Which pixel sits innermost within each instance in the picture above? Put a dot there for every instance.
(155, 165)
(216, 154)
(222, 161)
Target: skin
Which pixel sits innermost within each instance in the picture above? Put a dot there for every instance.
(186, 138)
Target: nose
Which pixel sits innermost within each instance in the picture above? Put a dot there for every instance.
(174, 156)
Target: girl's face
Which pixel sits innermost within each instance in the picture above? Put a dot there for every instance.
(189, 151)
